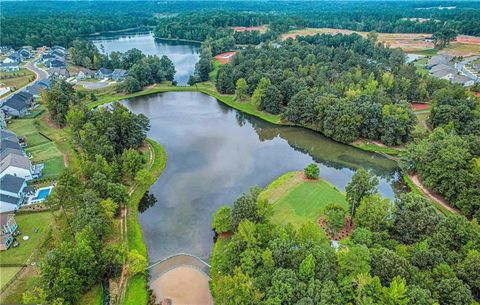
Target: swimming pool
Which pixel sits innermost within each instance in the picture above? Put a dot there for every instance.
(41, 194)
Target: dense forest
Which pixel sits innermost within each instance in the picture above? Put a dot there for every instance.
(89, 198)
(56, 22)
(344, 86)
(399, 253)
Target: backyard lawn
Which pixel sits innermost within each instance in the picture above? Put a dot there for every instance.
(6, 273)
(296, 200)
(27, 224)
(44, 152)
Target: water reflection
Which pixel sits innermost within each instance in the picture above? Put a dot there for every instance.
(183, 54)
(216, 153)
(148, 200)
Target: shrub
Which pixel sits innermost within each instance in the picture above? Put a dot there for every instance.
(312, 171)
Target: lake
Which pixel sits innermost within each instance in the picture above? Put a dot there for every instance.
(216, 153)
(184, 55)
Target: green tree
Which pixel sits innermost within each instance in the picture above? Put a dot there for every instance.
(222, 220)
(132, 162)
(307, 268)
(260, 91)
(236, 289)
(137, 263)
(335, 216)
(312, 171)
(363, 184)
(241, 89)
(375, 213)
(353, 261)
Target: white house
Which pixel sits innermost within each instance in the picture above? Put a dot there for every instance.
(11, 193)
(16, 165)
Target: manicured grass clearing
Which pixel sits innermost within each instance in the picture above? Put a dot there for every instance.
(36, 138)
(7, 273)
(27, 224)
(376, 148)
(53, 167)
(92, 297)
(22, 127)
(304, 200)
(44, 152)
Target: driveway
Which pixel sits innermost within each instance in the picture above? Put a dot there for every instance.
(462, 69)
(95, 85)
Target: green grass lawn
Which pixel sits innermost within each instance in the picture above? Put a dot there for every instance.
(297, 201)
(375, 148)
(53, 167)
(22, 126)
(92, 297)
(44, 152)
(17, 79)
(6, 273)
(27, 224)
(34, 139)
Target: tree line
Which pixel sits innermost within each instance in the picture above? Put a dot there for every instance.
(87, 200)
(399, 253)
(448, 159)
(345, 86)
(142, 70)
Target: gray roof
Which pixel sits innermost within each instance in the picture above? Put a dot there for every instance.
(440, 67)
(442, 73)
(104, 71)
(15, 161)
(59, 71)
(5, 144)
(10, 64)
(119, 72)
(5, 217)
(438, 59)
(25, 95)
(5, 152)
(460, 79)
(87, 71)
(54, 63)
(12, 184)
(8, 199)
(17, 101)
(7, 135)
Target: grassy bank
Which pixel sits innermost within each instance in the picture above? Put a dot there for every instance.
(136, 292)
(296, 200)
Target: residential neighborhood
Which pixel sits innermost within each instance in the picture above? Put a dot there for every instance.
(444, 67)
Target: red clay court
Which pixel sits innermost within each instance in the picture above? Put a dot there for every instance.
(224, 58)
(419, 106)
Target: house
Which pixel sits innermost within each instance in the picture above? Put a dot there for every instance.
(440, 67)
(103, 73)
(3, 122)
(9, 67)
(46, 57)
(7, 135)
(85, 73)
(59, 48)
(37, 87)
(15, 106)
(13, 58)
(27, 97)
(4, 90)
(54, 63)
(58, 53)
(61, 73)
(13, 186)
(463, 80)
(10, 144)
(444, 74)
(7, 223)
(24, 53)
(5, 241)
(119, 75)
(438, 59)
(16, 165)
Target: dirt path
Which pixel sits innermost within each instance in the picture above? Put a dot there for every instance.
(122, 283)
(433, 196)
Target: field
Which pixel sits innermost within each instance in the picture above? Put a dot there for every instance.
(27, 224)
(261, 28)
(296, 200)
(410, 43)
(224, 58)
(16, 79)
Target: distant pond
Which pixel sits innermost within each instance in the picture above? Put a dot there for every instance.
(215, 153)
(183, 54)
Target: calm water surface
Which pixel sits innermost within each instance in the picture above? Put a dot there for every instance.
(216, 153)
(183, 54)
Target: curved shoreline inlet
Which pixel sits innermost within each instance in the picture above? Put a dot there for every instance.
(216, 153)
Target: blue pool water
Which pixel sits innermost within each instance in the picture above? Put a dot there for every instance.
(42, 194)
